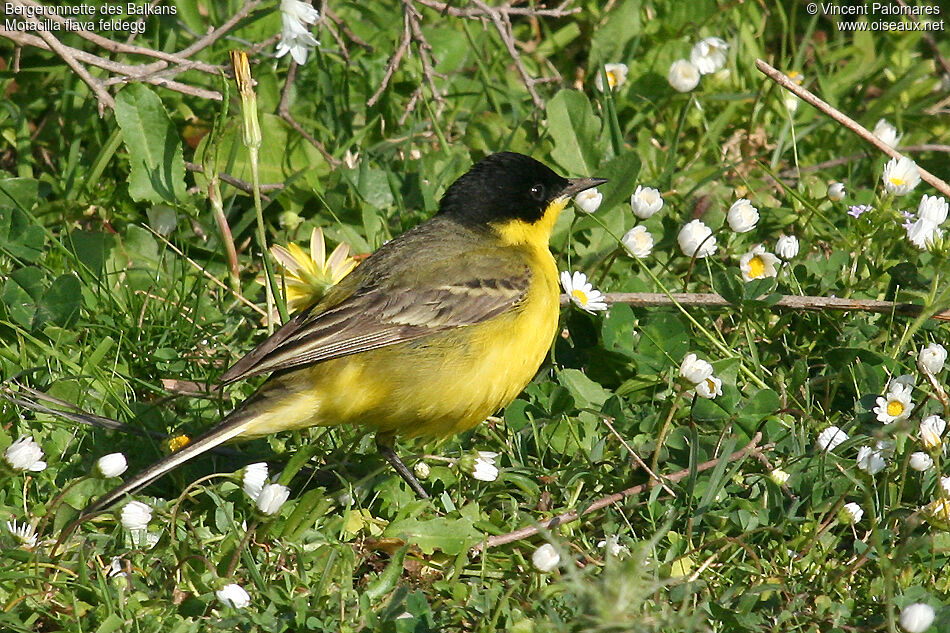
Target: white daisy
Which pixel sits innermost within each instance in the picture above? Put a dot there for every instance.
(695, 369)
(589, 200)
(870, 460)
(255, 476)
(933, 209)
(887, 133)
(896, 405)
(742, 216)
(900, 176)
(709, 55)
(920, 461)
(638, 242)
(758, 264)
(696, 239)
(787, 247)
(683, 75)
(616, 76)
(582, 293)
(931, 359)
(850, 513)
(272, 497)
(836, 191)
(545, 558)
(831, 438)
(931, 431)
(645, 202)
(709, 388)
(112, 465)
(25, 533)
(25, 454)
(233, 595)
(917, 617)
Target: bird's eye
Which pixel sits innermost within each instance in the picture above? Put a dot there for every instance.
(537, 192)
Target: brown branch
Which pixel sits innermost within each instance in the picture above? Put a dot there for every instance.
(129, 71)
(792, 302)
(237, 183)
(425, 50)
(808, 96)
(603, 502)
(103, 97)
(213, 36)
(283, 109)
(479, 13)
(120, 47)
(844, 160)
(503, 26)
(394, 62)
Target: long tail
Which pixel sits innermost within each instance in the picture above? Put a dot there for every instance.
(231, 426)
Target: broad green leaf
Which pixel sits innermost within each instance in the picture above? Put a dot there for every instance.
(21, 192)
(60, 303)
(158, 169)
(575, 130)
(621, 174)
(585, 391)
(451, 536)
(20, 237)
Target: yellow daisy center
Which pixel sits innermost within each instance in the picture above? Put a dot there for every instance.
(611, 78)
(580, 295)
(756, 267)
(894, 408)
(178, 442)
(896, 181)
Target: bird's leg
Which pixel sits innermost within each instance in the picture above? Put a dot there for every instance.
(384, 444)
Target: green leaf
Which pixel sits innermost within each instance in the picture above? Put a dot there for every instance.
(586, 392)
(664, 341)
(158, 169)
(22, 192)
(575, 131)
(451, 536)
(20, 237)
(621, 174)
(60, 303)
(17, 303)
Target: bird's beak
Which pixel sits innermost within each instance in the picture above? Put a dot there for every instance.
(577, 185)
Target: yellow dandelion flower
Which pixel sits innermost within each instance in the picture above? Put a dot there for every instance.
(307, 278)
(178, 442)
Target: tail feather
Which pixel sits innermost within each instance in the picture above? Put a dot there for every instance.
(228, 428)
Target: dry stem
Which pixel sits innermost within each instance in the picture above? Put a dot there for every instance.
(808, 96)
(792, 302)
(603, 502)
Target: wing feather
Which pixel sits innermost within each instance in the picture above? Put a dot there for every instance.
(371, 318)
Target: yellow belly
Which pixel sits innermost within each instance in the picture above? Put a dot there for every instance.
(435, 386)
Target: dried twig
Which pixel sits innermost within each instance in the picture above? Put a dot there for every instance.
(237, 183)
(102, 96)
(393, 64)
(808, 96)
(157, 73)
(603, 502)
(129, 72)
(844, 160)
(791, 302)
(283, 109)
(503, 25)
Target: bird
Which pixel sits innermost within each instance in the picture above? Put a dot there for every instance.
(435, 331)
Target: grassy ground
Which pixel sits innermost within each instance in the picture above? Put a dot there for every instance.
(116, 297)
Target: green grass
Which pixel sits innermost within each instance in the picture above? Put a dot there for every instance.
(96, 309)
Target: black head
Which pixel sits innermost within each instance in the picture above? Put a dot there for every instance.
(508, 186)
